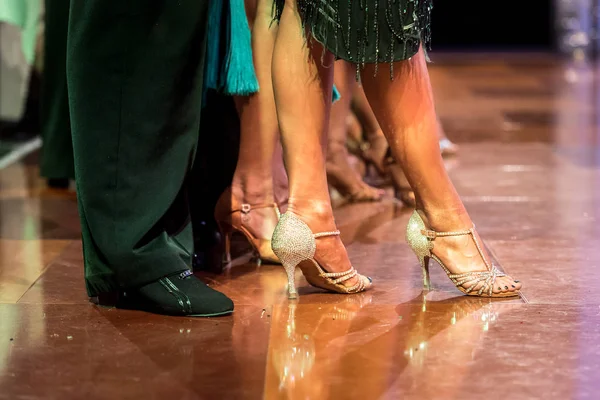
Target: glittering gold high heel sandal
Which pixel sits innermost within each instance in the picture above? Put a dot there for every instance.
(421, 240)
(294, 243)
(232, 216)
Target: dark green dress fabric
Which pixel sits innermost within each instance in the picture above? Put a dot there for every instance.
(135, 72)
(366, 31)
(57, 149)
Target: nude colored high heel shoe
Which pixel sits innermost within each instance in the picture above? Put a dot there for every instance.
(421, 240)
(447, 147)
(231, 215)
(294, 243)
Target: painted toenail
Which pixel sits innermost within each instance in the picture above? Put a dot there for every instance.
(506, 287)
(513, 286)
(517, 281)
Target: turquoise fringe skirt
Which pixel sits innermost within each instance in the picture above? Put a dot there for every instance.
(229, 65)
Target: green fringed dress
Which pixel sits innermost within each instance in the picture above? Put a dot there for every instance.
(366, 31)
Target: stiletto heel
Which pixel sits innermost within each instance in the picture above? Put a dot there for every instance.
(233, 216)
(294, 243)
(227, 252)
(421, 240)
(290, 270)
(226, 231)
(425, 267)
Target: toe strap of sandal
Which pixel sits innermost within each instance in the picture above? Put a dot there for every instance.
(339, 277)
(474, 278)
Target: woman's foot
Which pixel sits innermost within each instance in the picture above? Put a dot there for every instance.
(347, 181)
(464, 253)
(330, 253)
(252, 212)
(376, 152)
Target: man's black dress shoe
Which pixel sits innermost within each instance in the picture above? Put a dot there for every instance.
(180, 294)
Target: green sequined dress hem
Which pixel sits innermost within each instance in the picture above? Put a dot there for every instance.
(366, 31)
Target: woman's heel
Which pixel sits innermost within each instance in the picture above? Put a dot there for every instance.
(425, 267)
(420, 245)
(294, 243)
(226, 231)
(290, 270)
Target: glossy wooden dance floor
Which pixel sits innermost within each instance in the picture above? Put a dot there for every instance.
(529, 172)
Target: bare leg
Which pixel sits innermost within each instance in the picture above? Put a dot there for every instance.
(280, 179)
(365, 115)
(303, 86)
(377, 151)
(340, 173)
(405, 110)
(253, 178)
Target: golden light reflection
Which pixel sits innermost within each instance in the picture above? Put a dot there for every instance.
(314, 346)
(21, 259)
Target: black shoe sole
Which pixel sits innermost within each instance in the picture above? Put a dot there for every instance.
(115, 300)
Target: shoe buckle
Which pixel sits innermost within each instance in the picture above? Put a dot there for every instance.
(429, 234)
(246, 208)
(185, 274)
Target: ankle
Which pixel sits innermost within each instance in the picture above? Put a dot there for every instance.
(317, 214)
(445, 219)
(374, 136)
(253, 190)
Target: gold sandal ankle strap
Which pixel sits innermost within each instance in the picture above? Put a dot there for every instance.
(487, 278)
(246, 208)
(325, 234)
(433, 234)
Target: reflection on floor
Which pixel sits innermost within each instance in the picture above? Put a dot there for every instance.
(529, 173)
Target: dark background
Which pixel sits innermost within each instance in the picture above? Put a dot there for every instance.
(493, 25)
